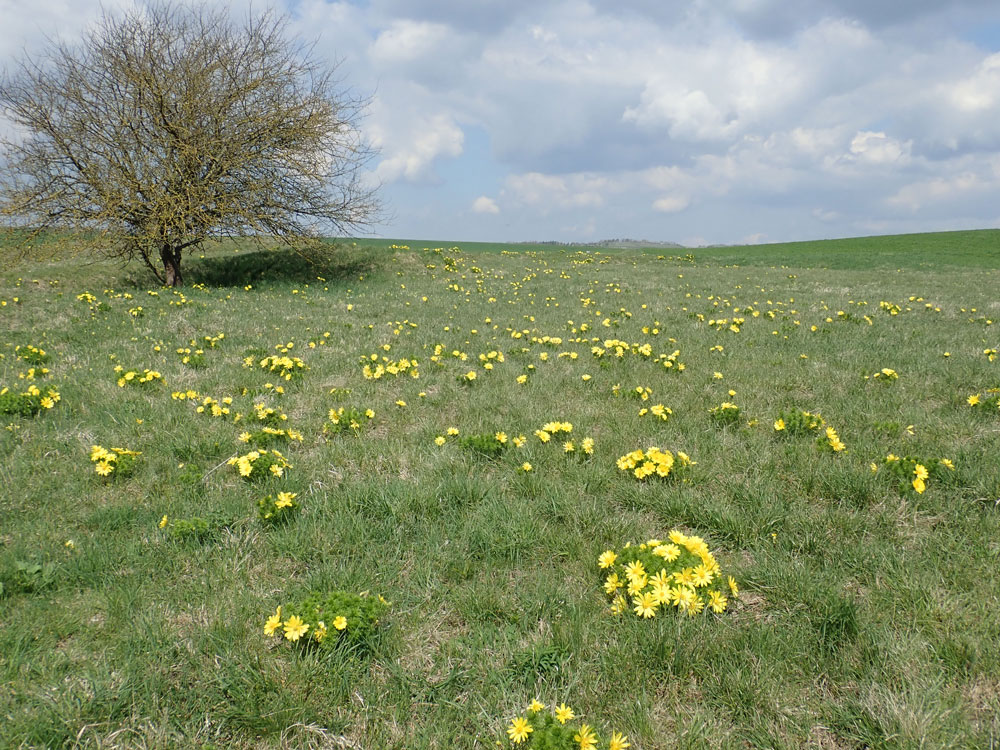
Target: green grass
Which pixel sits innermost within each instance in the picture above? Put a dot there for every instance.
(867, 613)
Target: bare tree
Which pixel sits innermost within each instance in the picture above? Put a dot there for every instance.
(171, 125)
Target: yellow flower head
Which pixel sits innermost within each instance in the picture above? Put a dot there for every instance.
(717, 601)
(668, 552)
(586, 737)
(273, 622)
(635, 569)
(646, 604)
(607, 559)
(564, 713)
(519, 730)
(295, 628)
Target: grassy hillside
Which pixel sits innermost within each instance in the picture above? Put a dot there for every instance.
(969, 249)
(134, 606)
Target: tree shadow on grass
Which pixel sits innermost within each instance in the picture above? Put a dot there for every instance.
(331, 263)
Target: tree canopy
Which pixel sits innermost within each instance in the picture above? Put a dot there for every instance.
(171, 125)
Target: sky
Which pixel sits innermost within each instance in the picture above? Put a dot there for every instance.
(698, 122)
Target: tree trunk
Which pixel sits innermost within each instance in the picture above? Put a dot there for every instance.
(171, 265)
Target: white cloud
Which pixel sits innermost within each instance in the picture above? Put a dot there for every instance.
(485, 205)
(410, 148)
(545, 192)
(918, 195)
(670, 204)
(406, 41)
(878, 148)
(825, 214)
(979, 91)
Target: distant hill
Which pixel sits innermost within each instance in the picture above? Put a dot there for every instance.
(617, 244)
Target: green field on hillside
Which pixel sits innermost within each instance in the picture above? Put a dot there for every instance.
(459, 432)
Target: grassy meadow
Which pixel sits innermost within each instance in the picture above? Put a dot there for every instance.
(136, 589)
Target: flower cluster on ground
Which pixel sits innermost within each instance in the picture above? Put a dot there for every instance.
(260, 464)
(327, 618)
(558, 727)
(347, 418)
(114, 462)
(655, 462)
(144, 377)
(28, 402)
(914, 472)
(278, 509)
(679, 572)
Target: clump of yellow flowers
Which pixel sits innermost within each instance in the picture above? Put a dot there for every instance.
(260, 464)
(211, 406)
(347, 418)
(680, 572)
(914, 472)
(990, 401)
(134, 377)
(117, 462)
(886, 375)
(275, 510)
(655, 462)
(28, 403)
(32, 355)
(283, 366)
(386, 367)
(557, 728)
(830, 441)
(582, 450)
(268, 436)
(726, 413)
(327, 619)
(798, 422)
(657, 410)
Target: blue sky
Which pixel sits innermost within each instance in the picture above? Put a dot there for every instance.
(707, 121)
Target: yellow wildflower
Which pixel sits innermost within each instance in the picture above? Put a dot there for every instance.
(295, 628)
(273, 622)
(519, 730)
(564, 713)
(607, 559)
